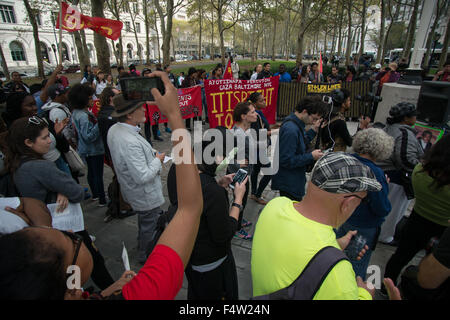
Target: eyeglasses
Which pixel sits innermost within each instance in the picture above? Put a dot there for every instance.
(77, 240)
(364, 200)
(37, 120)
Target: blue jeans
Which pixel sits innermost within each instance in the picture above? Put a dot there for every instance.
(95, 177)
(371, 235)
(63, 166)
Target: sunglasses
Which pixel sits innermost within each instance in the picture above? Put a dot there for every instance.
(364, 200)
(37, 120)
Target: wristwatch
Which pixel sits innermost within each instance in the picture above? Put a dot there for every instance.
(238, 206)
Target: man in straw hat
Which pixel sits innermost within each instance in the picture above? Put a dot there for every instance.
(138, 169)
(289, 235)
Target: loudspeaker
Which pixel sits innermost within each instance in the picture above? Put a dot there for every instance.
(433, 105)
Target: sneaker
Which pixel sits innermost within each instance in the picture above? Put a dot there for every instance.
(242, 234)
(101, 205)
(246, 223)
(94, 199)
(125, 214)
(157, 139)
(258, 200)
(87, 195)
(158, 133)
(92, 237)
(168, 130)
(108, 218)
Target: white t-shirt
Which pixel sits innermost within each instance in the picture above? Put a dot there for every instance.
(99, 86)
(254, 76)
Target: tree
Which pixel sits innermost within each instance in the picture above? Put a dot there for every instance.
(115, 8)
(393, 16)
(101, 46)
(381, 35)
(440, 9)
(80, 43)
(221, 7)
(4, 65)
(446, 42)
(349, 32)
(363, 27)
(411, 31)
(133, 10)
(37, 46)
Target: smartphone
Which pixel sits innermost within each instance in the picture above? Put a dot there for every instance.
(238, 177)
(138, 88)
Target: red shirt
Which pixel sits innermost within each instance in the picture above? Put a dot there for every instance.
(160, 279)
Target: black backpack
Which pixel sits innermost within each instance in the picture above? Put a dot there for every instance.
(310, 280)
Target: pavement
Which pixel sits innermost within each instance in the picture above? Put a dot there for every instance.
(110, 236)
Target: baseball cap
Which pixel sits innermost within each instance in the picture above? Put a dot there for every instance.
(56, 89)
(339, 172)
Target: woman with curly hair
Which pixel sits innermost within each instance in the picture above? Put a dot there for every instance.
(370, 145)
(431, 213)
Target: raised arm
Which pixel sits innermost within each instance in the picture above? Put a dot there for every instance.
(181, 232)
(51, 80)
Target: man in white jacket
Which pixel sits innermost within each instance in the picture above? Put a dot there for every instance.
(138, 169)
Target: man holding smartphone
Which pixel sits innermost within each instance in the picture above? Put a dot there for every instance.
(138, 169)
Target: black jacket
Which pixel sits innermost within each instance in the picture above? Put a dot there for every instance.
(105, 121)
(216, 228)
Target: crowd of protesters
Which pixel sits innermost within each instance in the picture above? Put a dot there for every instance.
(333, 187)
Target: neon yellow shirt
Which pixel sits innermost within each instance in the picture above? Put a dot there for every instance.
(283, 244)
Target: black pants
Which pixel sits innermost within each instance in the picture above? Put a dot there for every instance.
(148, 132)
(288, 195)
(218, 284)
(257, 191)
(244, 203)
(415, 236)
(100, 274)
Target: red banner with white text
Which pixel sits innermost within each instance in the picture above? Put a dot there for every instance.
(223, 95)
(190, 101)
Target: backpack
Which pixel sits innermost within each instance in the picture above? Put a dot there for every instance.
(310, 280)
(114, 195)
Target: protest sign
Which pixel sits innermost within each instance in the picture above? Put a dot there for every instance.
(223, 95)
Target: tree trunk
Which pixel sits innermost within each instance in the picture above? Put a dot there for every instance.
(80, 41)
(287, 32)
(382, 27)
(221, 31)
(101, 46)
(166, 28)
(411, 31)
(147, 33)
(133, 21)
(212, 35)
(273, 38)
(4, 65)
(200, 16)
(37, 45)
(431, 35)
(301, 34)
(349, 35)
(446, 43)
(341, 17)
(363, 27)
(388, 31)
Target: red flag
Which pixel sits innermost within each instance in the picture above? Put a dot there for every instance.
(320, 63)
(228, 74)
(73, 20)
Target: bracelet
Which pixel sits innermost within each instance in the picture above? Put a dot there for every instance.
(234, 204)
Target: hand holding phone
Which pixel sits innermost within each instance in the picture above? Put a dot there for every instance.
(238, 177)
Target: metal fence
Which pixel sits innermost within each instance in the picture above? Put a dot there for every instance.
(289, 94)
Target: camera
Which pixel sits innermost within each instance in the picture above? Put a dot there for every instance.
(370, 97)
(138, 88)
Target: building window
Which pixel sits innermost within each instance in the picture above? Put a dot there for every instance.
(17, 52)
(127, 26)
(138, 27)
(135, 7)
(7, 13)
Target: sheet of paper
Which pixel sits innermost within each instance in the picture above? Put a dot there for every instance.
(167, 159)
(9, 202)
(126, 262)
(70, 219)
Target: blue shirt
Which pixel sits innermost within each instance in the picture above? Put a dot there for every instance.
(373, 214)
(284, 77)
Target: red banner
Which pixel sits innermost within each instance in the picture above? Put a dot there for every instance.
(190, 100)
(223, 95)
(73, 20)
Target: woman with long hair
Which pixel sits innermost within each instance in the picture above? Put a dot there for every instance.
(304, 75)
(99, 83)
(28, 141)
(90, 144)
